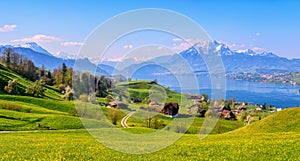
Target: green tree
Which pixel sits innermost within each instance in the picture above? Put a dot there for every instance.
(36, 89)
(204, 97)
(114, 115)
(64, 72)
(11, 88)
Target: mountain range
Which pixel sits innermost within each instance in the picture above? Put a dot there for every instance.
(233, 60)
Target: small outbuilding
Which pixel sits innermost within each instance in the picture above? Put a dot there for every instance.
(118, 104)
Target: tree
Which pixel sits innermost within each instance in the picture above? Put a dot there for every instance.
(36, 89)
(68, 77)
(64, 72)
(29, 69)
(204, 97)
(114, 115)
(15, 62)
(7, 54)
(57, 74)
(11, 88)
(68, 94)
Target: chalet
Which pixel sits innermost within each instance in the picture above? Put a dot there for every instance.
(229, 115)
(171, 109)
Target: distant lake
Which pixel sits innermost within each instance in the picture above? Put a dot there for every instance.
(255, 93)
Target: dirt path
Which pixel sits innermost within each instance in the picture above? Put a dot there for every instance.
(125, 118)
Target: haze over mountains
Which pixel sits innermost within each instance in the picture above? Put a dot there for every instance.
(234, 61)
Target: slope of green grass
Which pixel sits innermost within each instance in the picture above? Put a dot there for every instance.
(287, 120)
(28, 113)
(57, 105)
(7, 74)
(79, 145)
(16, 120)
(147, 90)
(27, 108)
(142, 89)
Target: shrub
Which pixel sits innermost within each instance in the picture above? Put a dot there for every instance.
(11, 88)
(84, 98)
(114, 115)
(28, 110)
(36, 89)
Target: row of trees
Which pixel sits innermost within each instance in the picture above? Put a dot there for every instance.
(19, 64)
(36, 89)
(62, 77)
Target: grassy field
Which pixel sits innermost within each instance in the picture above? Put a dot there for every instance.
(59, 133)
(252, 142)
(287, 120)
(79, 145)
(28, 113)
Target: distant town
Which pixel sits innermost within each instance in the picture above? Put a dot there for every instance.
(288, 78)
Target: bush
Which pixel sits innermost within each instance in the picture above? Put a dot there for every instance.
(114, 115)
(36, 89)
(84, 98)
(11, 88)
(244, 115)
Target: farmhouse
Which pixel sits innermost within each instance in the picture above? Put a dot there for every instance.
(171, 109)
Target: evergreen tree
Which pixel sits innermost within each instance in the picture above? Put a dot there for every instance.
(64, 72)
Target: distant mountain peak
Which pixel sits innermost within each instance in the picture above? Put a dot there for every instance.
(64, 55)
(214, 45)
(35, 47)
(223, 49)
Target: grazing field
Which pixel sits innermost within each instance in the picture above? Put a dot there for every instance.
(240, 144)
(48, 128)
(287, 120)
(28, 113)
(79, 145)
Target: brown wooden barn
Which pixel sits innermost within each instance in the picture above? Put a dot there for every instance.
(170, 108)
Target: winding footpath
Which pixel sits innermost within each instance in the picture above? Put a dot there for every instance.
(125, 118)
(123, 123)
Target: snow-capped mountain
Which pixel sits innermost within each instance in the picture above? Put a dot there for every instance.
(245, 60)
(35, 47)
(233, 60)
(29, 45)
(42, 57)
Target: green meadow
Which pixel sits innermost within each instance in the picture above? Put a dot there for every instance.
(51, 128)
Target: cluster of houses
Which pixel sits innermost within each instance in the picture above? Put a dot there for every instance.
(170, 109)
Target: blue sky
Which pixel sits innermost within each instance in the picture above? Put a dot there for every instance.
(262, 25)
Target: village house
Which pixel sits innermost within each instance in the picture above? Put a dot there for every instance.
(170, 109)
